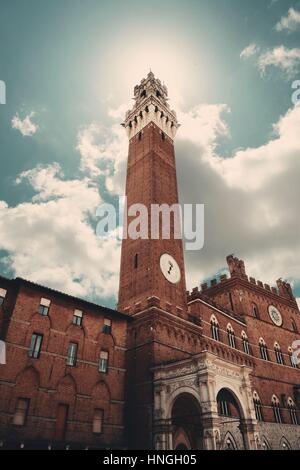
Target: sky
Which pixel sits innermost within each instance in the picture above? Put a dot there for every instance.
(70, 67)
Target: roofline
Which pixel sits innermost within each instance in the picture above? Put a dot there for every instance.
(20, 281)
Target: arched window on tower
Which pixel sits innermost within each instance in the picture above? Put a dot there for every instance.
(257, 407)
(294, 326)
(263, 350)
(231, 301)
(292, 410)
(276, 409)
(255, 311)
(215, 329)
(231, 336)
(246, 344)
(278, 354)
(293, 359)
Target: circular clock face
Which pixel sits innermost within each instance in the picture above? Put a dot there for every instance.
(170, 268)
(275, 315)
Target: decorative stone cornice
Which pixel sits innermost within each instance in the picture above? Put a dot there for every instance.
(151, 105)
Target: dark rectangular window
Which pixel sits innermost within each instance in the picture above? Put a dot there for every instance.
(107, 326)
(72, 354)
(35, 346)
(21, 411)
(44, 306)
(77, 317)
(98, 421)
(103, 363)
(136, 261)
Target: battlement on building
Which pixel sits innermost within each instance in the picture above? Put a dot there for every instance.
(237, 271)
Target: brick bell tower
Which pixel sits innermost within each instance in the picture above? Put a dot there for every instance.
(151, 268)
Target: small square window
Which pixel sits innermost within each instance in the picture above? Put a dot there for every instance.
(77, 317)
(21, 412)
(103, 363)
(44, 306)
(107, 326)
(98, 421)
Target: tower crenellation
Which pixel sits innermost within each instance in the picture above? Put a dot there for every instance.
(151, 105)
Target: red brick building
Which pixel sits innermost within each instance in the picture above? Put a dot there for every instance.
(207, 369)
(63, 381)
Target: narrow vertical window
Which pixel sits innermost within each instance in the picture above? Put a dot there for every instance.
(107, 326)
(231, 337)
(136, 261)
(44, 306)
(276, 410)
(77, 317)
(98, 421)
(3, 293)
(263, 350)
(35, 345)
(246, 345)
(72, 354)
(231, 301)
(215, 330)
(103, 363)
(21, 412)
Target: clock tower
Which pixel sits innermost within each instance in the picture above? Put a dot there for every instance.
(152, 267)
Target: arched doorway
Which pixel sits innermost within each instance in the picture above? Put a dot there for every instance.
(187, 428)
(230, 413)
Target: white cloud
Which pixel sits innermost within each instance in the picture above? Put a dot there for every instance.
(251, 202)
(203, 124)
(50, 240)
(287, 60)
(249, 51)
(26, 126)
(252, 168)
(101, 148)
(290, 22)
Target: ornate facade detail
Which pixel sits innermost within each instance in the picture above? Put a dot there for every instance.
(151, 106)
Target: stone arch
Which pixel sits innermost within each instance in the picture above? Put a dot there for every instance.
(186, 422)
(66, 389)
(236, 394)
(265, 445)
(229, 442)
(27, 381)
(181, 440)
(284, 444)
(101, 399)
(179, 391)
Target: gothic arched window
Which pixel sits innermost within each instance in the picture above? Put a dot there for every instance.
(257, 407)
(255, 311)
(231, 336)
(246, 344)
(215, 329)
(278, 354)
(294, 326)
(276, 409)
(293, 359)
(263, 350)
(292, 410)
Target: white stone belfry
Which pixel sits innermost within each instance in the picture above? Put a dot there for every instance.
(151, 105)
